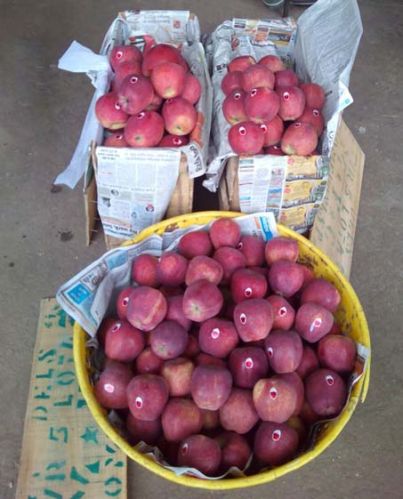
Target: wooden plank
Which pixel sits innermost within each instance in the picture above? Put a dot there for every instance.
(91, 212)
(228, 190)
(64, 453)
(182, 197)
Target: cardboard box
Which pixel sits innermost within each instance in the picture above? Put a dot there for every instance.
(129, 189)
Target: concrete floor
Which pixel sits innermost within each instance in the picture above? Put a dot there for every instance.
(42, 110)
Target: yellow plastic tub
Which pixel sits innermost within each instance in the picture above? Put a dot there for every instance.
(350, 316)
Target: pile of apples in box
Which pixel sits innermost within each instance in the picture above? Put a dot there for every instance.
(269, 110)
(152, 100)
(225, 352)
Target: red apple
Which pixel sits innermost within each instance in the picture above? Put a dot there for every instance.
(144, 270)
(124, 54)
(178, 374)
(284, 313)
(143, 431)
(148, 363)
(241, 63)
(313, 322)
(179, 116)
(309, 362)
(285, 277)
(274, 151)
(272, 62)
(275, 443)
(135, 93)
(323, 293)
(257, 76)
(159, 54)
(195, 243)
(291, 103)
(200, 452)
(110, 112)
(337, 352)
(261, 105)
(144, 129)
(235, 450)
(314, 118)
(180, 419)
(246, 138)
(233, 107)
(230, 259)
(248, 365)
(252, 248)
(210, 386)
(168, 79)
(168, 340)
(238, 412)
(110, 389)
(326, 392)
(273, 131)
(202, 300)
(125, 69)
(116, 139)
(171, 269)
(204, 267)
(286, 78)
(231, 81)
(284, 350)
(175, 312)
(253, 319)
(275, 398)
(174, 141)
(224, 232)
(281, 248)
(218, 337)
(247, 284)
(314, 95)
(192, 89)
(147, 395)
(147, 307)
(123, 342)
(122, 301)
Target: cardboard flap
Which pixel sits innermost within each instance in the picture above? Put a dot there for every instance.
(336, 220)
(90, 197)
